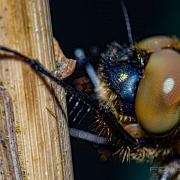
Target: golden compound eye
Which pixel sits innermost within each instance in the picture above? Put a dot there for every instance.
(155, 43)
(157, 103)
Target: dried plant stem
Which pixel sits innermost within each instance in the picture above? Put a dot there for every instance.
(25, 26)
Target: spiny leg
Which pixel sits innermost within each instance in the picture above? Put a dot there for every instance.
(37, 66)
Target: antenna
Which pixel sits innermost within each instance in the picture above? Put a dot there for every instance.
(128, 26)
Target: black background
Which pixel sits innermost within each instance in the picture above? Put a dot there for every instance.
(85, 23)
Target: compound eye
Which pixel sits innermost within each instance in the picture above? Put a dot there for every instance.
(157, 103)
(155, 43)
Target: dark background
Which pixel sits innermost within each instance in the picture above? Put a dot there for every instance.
(85, 23)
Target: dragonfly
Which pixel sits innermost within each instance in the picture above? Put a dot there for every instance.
(133, 110)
